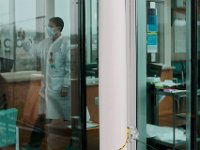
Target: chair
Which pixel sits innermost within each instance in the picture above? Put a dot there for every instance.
(9, 133)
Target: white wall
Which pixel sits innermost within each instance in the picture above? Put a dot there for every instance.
(113, 74)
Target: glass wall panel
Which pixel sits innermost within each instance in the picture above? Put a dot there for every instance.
(92, 31)
(25, 22)
(165, 73)
(41, 83)
(92, 94)
(6, 36)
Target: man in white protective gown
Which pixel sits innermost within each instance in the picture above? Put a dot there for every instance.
(55, 92)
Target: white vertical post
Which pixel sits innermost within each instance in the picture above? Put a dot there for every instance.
(40, 16)
(131, 65)
(74, 17)
(167, 33)
(49, 9)
(165, 19)
(113, 74)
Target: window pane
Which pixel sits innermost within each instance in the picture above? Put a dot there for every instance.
(40, 74)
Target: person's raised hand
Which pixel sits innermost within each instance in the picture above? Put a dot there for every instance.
(21, 34)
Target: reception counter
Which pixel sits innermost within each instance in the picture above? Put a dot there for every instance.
(21, 76)
(21, 91)
(22, 88)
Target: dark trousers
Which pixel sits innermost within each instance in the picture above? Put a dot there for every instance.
(38, 132)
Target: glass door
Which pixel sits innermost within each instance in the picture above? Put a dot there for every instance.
(42, 74)
(163, 74)
(166, 63)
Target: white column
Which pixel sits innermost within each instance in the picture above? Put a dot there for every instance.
(167, 33)
(113, 74)
(50, 12)
(165, 20)
(40, 16)
(74, 17)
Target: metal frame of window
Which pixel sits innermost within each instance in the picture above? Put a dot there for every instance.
(82, 75)
(141, 70)
(194, 75)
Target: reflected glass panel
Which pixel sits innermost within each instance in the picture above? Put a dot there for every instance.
(26, 22)
(92, 94)
(92, 31)
(7, 36)
(40, 74)
(166, 74)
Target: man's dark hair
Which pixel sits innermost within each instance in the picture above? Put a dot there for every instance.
(58, 22)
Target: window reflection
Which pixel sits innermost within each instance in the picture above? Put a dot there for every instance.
(166, 74)
(92, 31)
(38, 88)
(24, 84)
(6, 38)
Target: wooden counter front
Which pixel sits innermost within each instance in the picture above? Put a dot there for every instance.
(21, 90)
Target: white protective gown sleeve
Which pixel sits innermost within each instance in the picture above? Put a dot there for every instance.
(39, 50)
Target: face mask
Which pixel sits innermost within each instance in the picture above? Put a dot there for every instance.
(51, 32)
